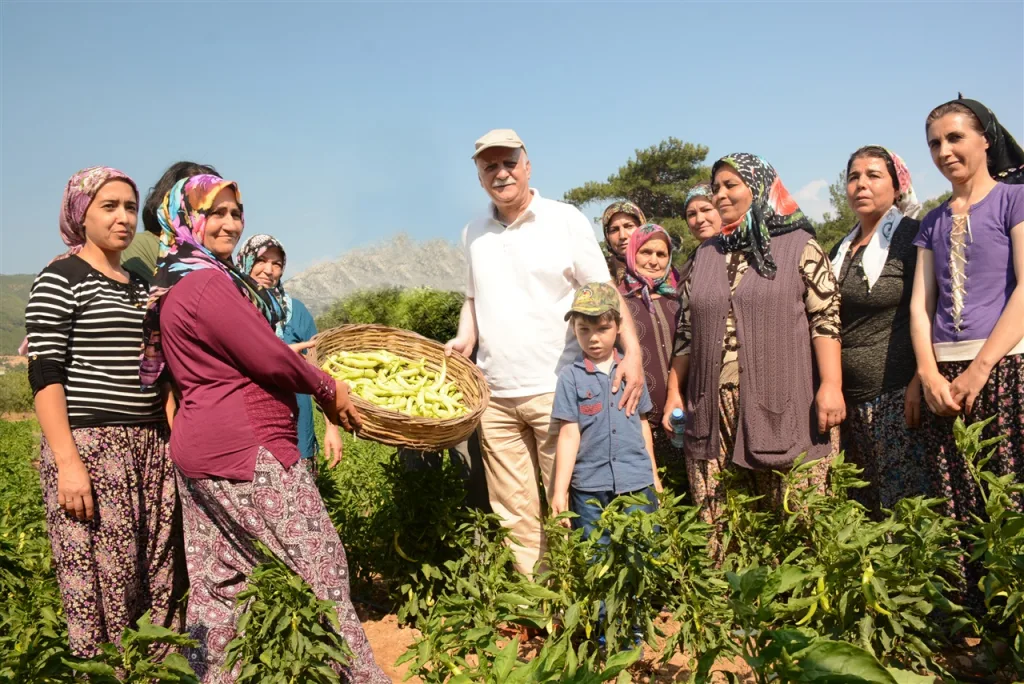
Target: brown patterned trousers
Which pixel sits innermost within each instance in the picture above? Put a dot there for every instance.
(282, 509)
(127, 559)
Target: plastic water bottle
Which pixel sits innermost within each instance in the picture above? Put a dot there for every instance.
(678, 421)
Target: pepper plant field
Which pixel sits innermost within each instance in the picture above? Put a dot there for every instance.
(820, 593)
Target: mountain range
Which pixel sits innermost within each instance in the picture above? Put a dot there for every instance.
(399, 262)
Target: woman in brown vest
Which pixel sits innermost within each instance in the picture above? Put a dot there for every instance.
(704, 223)
(760, 319)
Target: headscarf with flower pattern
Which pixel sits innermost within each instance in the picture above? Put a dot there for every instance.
(699, 190)
(906, 198)
(78, 195)
(621, 208)
(772, 212)
(637, 285)
(246, 258)
(182, 217)
(617, 261)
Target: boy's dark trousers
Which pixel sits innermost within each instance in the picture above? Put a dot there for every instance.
(590, 513)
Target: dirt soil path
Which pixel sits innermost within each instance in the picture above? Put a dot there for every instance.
(389, 641)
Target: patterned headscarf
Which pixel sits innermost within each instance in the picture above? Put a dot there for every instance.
(78, 195)
(773, 212)
(876, 252)
(698, 190)
(246, 258)
(1005, 156)
(906, 201)
(906, 198)
(635, 284)
(620, 208)
(182, 217)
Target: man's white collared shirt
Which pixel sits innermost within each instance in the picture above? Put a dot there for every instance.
(522, 278)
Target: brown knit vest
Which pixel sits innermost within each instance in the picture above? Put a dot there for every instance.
(777, 418)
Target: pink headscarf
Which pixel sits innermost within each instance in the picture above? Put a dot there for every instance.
(635, 284)
(78, 195)
(906, 198)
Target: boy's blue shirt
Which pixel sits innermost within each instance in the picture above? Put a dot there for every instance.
(612, 455)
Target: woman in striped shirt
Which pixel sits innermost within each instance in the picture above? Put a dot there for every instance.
(108, 483)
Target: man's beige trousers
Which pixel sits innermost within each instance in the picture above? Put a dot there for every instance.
(519, 440)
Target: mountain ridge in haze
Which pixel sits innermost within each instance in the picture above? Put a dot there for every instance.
(397, 262)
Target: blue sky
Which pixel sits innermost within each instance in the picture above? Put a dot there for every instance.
(346, 123)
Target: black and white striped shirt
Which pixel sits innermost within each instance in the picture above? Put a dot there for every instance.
(85, 332)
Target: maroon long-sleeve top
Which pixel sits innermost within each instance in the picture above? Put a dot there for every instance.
(237, 379)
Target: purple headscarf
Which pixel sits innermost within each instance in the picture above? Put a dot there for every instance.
(78, 195)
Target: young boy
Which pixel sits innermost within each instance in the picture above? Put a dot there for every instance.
(601, 452)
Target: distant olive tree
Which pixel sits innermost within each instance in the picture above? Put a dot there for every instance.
(367, 306)
(431, 313)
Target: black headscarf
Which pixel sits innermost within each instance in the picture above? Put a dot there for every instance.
(1005, 156)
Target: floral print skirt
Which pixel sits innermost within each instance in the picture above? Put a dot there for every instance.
(1002, 397)
(128, 558)
(282, 508)
(708, 491)
(891, 454)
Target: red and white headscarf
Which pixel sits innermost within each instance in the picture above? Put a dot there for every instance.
(876, 253)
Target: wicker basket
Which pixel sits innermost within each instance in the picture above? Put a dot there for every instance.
(398, 429)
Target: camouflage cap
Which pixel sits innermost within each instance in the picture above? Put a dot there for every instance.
(594, 299)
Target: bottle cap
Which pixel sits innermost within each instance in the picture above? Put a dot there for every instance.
(677, 413)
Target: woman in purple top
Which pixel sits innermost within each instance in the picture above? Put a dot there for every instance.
(234, 437)
(967, 308)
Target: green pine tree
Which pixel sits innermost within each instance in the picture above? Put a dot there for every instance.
(657, 180)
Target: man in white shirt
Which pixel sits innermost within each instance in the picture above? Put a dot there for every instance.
(527, 256)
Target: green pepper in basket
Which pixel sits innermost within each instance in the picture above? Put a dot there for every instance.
(398, 384)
